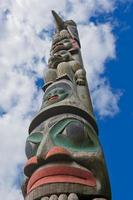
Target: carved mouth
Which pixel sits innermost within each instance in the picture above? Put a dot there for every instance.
(52, 98)
(60, 174)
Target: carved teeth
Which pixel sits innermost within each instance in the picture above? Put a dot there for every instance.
(53, 197)
(73, 196)
(45, 198)
(62, 197)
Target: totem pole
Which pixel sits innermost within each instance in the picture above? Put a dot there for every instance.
(65, 159)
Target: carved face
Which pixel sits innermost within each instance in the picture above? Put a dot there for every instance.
(56, 93)
(66, 151)
(58, 57)
(68, 133)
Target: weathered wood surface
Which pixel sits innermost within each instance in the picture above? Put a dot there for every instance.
(65, 158)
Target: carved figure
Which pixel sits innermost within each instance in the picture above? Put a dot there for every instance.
(65, 158)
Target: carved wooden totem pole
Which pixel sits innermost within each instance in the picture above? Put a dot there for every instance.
(65, 159)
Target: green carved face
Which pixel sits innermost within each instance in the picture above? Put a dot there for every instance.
(69, 133)
(79, 139)
(56, 93)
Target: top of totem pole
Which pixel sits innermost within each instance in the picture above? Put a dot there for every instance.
(64, 25)
(58, 21)
(66, 68)
(66, 58)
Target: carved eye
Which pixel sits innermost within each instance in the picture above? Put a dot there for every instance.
(35, 137)
(76, 132)
(32, 144)
(75, 135)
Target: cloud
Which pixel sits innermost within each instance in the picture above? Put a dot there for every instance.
(105, 98)
(25, 39)
(98, 46)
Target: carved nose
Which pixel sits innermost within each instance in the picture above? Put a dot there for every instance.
(58, 153)
(54, 154)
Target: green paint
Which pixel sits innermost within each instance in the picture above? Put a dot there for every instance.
(59, 126)
(35, 137)
(55, 95)
(85, 141)
(41, 147)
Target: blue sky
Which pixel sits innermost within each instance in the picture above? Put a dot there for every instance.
(116, 133)
(106, 29)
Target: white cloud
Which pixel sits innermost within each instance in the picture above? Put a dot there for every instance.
(105, 101)
(98, 45)
(21, 54)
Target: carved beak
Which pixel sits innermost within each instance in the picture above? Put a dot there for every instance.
(58, 21)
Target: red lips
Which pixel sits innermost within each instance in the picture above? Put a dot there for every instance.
(33, 164)
(60, 174)
(42, 174)
(55, 97)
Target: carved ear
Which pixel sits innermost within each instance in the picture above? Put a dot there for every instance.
(58, 21)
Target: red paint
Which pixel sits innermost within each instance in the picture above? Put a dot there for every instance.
(32, 160)
(56, 151)
(60, 174)
(60, 179)
(31, 165)
(53, 98)
(75, 45)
